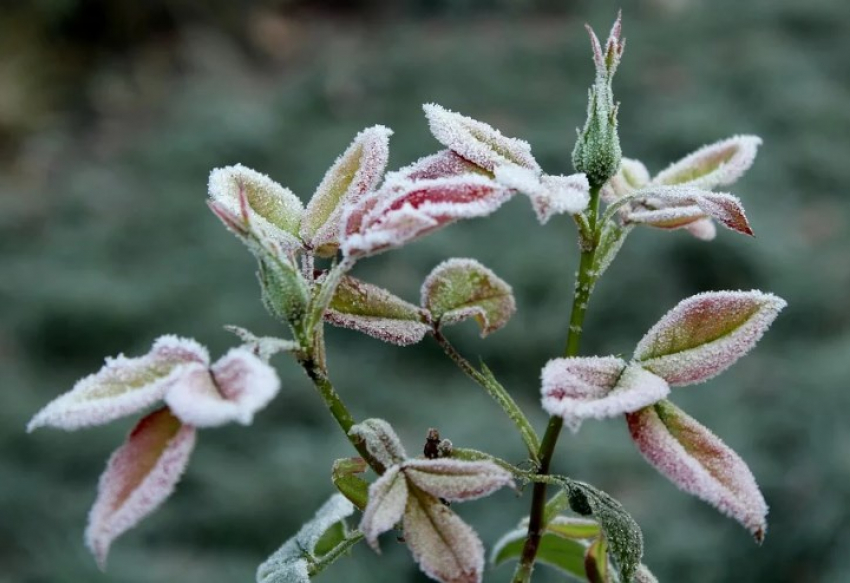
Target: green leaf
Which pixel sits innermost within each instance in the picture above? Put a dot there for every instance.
(596, 562)
(332, 537)
(563, 554)
(610, 242)
(458, 289)
(354, 488)
(574, 528)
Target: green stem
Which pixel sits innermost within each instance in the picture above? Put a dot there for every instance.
(581, 296)
(496, 391)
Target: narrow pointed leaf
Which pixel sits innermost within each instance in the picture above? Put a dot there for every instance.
(477, 141)
(717, 164)
(446, 548)
(237, 386)
(140, 475)
(289, 564)
(672, 207)
(699, 463)
(344, 476)
(456, 480)
(356, 172)
(561, 553)
(381, 441)
(458, 289)
(387, 499)
(374, 311)
(582, 388)
(123, 386)
(705, 334)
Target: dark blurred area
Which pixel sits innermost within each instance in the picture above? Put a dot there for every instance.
(112, 114)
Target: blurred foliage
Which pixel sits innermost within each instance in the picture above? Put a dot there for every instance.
(113, 113)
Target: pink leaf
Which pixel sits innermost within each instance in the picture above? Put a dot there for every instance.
(443, 164)
(477, 141)
(446, 548)
(456, 480)
(140, 475)
(123, 386)
(672, 207)
(237, 386)
(582, 388)
(387, 500)
(718, 164)
(355, 173)
(705, 334)
(699, 463)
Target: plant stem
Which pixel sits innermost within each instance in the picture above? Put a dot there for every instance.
(581, 296)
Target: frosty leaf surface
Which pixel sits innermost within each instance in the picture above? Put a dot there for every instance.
(290, 564)
(374, 311)
(237, 386)
(458, 289)
(699, 463)
(718, 164)
(139, 476)
(580, 388)
(671, 207)
(457, 480)
(356, 172)
(550, 195)
(123, 386)
(705, 334)
(477, 141)
(387, 500)
(440, 165)
(263, 346)
(381, 441)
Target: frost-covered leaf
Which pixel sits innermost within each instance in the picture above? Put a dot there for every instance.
(263, 346)
(574, 528)
(550, 195)
(380, 440)
(702, 229)
(631, 176)
(672, 207)
(705, 334)
(356, 172)
(458, 289)
(237, 386)
(374, 311)
(477, 141)
(387, 500)
(404, 209)
(291, 562)
(123, 386)
(580, 388)
(699, 463)
(456, 480)
(140, 475)
(346, 481)
(446, 548)
(440, 165)
(644, 575)
(561, 553)
(596, 562)
(610, 241)
(245, 199)
(717, 164)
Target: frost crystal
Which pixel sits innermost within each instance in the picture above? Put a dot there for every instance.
(477, 141)
(718, 164)
(140, 475)
(381, 441)
(671, 207)
(440, 165)
(456, 480)
(705, 334)
(550, 195)
(699, 463)
(582, 388)
(387, 500)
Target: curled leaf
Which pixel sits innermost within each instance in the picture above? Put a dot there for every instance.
(387, 501)
(356, 172)
(458, 289)
(456, 480)
(550, 195)
(705, 334)
(374, 311)
(237, 386)
(582, 388)
(699, 463)
(381, 441)
(718, 164)
(477, 141)
(123, 386)
(671, 207)
(140, 475)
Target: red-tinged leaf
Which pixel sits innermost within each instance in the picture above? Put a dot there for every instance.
(456, 480)
(672, 207)
(237, 386)
(669, 217)
(140, 475)
(444, 163)
(381, 441)
(718, 164)
(446, 548)
(374, 311)
(596, 562)
(404, 210)
(355, 173)
(699, 463)
(123, 386)
(458, 289)
(477, 141)
(705, 334)
(582, 388)
(388, 497)
(252, 203)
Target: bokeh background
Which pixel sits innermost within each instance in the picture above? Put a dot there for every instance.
(112, 114)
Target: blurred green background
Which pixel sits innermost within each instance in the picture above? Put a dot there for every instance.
(113, 113)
